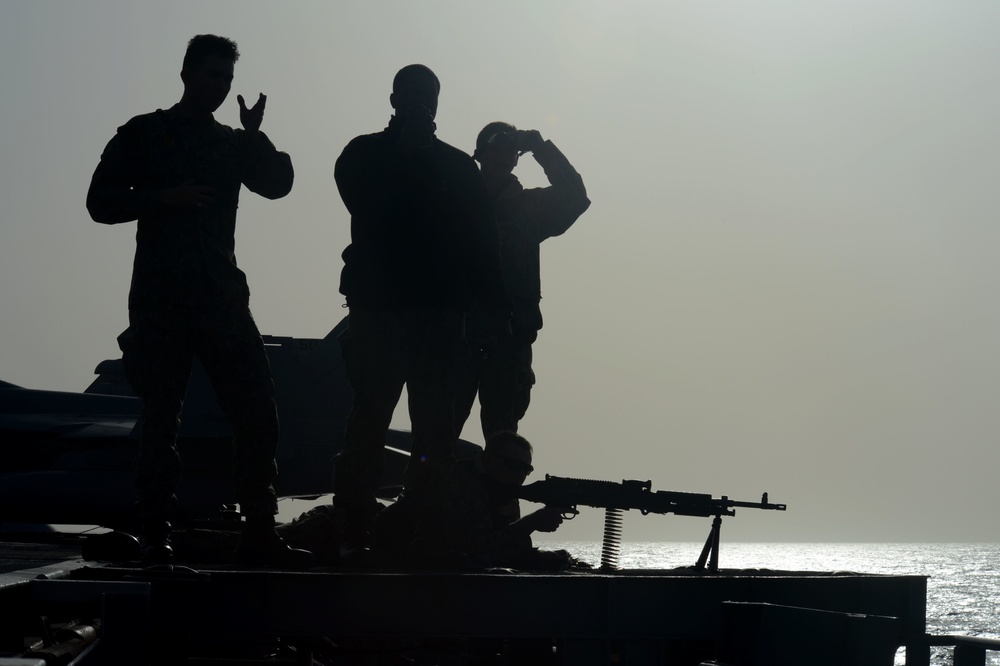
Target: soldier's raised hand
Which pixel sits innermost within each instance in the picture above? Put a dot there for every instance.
(252, 117)
(418, 128)
(528, 140)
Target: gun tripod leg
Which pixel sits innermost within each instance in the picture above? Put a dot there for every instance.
(710, 552)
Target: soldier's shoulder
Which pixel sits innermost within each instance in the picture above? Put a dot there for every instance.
(450, 152)
(367, 141)
(456, 162)
(144, 123)
(157, 117)
(364, 145)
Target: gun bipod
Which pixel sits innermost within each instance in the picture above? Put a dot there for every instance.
(711, 550)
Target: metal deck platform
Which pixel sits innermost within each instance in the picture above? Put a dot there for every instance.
(673, 617)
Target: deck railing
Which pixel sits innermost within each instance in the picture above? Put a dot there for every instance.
(969, 650)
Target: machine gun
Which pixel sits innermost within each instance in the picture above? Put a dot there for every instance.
(617, 497)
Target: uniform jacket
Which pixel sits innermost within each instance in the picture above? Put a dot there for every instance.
(184, 256)
(525, 218)
(423, 234)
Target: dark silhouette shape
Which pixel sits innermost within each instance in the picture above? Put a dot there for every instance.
(179, 172)
(502, 374)
(633, 494)
(423, 245)
(489, 529)
(68, 457)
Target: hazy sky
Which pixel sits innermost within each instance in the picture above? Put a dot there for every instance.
(786, 282)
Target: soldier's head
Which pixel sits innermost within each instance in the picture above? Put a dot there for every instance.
(415, 87)
(496, 149)
(507, 458)
(207, 72)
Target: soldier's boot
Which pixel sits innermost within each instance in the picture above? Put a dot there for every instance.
(260, 545)
(154, 543)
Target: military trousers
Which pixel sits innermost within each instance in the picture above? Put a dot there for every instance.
(158, 350)
(384, 350)
(502, 377)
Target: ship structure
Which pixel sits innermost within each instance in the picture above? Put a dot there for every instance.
(57, 608)
(72, 599)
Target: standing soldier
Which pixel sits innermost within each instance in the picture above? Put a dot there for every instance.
(178, 172)
(423, 245)
(502, 374)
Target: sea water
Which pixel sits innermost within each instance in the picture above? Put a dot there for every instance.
(963, 588)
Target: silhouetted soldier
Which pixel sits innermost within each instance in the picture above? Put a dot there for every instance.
(178, 172)
(489, 529)
(423, 243)
(503, 375)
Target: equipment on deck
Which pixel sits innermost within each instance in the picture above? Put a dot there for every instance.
(617, 497)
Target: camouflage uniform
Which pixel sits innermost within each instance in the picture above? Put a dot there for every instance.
(503, 375)
(423, 243)
(188, 297)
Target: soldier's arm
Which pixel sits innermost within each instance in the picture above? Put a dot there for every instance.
(553, 210)
(370, 176)
(483, 242)
(546, 519)
(352, 180)
(114, 195)
(266, 170)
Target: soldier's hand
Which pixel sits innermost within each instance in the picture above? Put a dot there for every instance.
(254, 116)
(528, 140)
(418, 128)
(547, 519)
(187, 196)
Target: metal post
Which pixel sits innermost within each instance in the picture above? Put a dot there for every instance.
(918, 655)
(969, 655)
